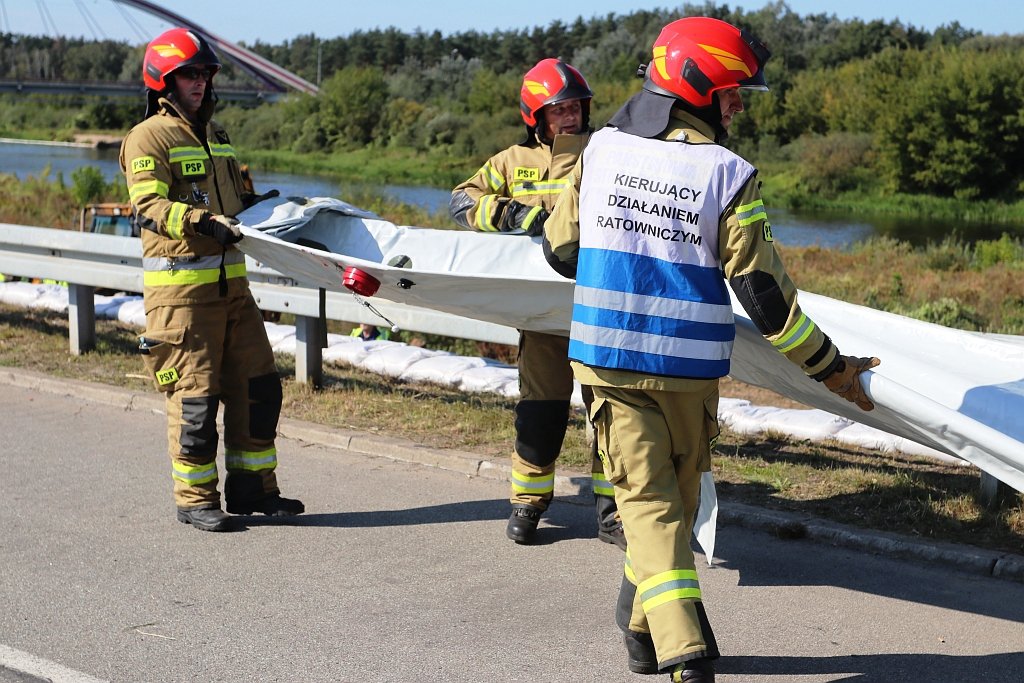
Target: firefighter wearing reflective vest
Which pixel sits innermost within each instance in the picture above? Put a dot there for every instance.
(512, 194)
(205, 343)
(656, 213)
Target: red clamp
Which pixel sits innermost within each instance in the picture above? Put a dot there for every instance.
(359, 282)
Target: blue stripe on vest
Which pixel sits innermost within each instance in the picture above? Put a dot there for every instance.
(620, 359)
(664, 327)
(651, 276)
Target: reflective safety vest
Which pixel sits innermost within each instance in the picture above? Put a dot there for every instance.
(650, 295)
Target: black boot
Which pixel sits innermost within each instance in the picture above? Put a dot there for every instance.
(640, 650)
(694, 671)
(205, 519)
(522, 524)
(244, 495)
(614, 535)
(609, 527)
(274, 506)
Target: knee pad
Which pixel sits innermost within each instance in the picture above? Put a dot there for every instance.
(540, 430)
(198, 435)
(265, 406)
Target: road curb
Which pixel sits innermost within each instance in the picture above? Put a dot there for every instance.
(575, 489)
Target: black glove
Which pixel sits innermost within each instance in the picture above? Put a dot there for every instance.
(251, 200)
(224, 229)
(518, 217)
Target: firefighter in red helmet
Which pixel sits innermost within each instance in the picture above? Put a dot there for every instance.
(652, 323)
(205, 343)
(512, 193)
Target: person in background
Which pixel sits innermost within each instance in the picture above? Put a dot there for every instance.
(512, 194)
(657, 217)
(205, 343)
(367, 332)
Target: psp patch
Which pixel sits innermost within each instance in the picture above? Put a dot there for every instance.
(143, 164)
(768, 232)
(169, 376)
(194, 167)
(525, 174)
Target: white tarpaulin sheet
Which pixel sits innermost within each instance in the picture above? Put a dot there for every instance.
(958, 392)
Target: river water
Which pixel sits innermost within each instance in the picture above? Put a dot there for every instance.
(797, 229)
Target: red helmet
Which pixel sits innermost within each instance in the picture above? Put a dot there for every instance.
(549, 82)
(696, 56)
(172, 50)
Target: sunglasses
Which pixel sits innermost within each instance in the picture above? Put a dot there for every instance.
(191, 73)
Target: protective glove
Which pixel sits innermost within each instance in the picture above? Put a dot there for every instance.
(224, 229)
(845, 380)
(522, 218)
(250, 200)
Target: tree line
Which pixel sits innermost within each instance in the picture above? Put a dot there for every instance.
(870, 106)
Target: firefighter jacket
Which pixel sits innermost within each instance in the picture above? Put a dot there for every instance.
(177, 172)
(516, 185)
(648, 228)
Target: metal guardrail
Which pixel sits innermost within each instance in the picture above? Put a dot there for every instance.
(88, 261)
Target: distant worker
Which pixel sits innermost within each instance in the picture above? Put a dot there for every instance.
(513, 193)
(657, 217)
(205, 343)
(367, 332)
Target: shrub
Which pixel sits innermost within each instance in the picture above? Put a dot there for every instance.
(1008, 250)
(949, 313)
(88, 184)
(835, 162)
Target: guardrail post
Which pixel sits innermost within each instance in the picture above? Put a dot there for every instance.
(310, 340)
(992, 490)
(81, 318)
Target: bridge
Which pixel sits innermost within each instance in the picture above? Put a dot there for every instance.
(272, 81)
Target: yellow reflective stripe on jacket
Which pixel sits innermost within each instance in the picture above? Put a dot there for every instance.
(178, 277)
(194, 474)
(796, 336)
(536, 484)
(147, 187)
(483, 213)
(222, 150)
(254, 461)
(541, 188)
(749, 213)
(176, 154)
(156, 263)
(176, 220)
(494, 179)
(675, 584)
(600, 485)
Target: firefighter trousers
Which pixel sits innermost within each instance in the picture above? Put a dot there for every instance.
(541, 418)
(654, 446)
(202, 355)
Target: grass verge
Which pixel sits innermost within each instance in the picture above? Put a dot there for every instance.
(914, 496)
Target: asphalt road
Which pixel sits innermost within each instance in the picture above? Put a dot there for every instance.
(401, 572)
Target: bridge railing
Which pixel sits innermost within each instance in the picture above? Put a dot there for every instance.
(87, 261)
(111, 89)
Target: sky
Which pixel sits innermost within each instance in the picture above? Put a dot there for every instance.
(280, 20)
